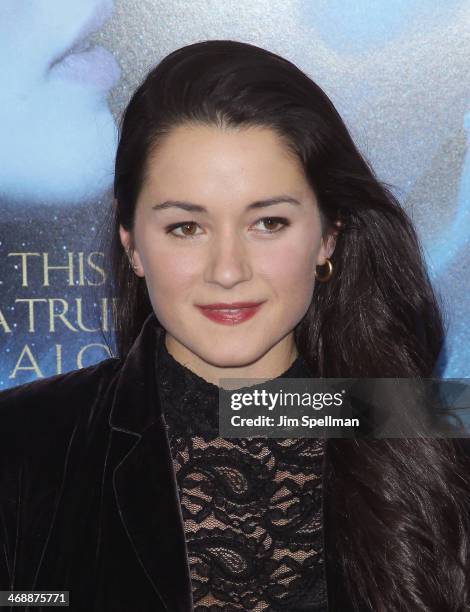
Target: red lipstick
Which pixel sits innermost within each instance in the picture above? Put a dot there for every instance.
(230, 314)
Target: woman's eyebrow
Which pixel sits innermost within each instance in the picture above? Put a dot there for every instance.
(189, 206)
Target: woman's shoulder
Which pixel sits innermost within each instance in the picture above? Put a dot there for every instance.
(54, 398)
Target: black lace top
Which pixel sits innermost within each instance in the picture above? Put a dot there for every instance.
(252, 507)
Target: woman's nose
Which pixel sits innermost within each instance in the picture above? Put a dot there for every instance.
(228, 261)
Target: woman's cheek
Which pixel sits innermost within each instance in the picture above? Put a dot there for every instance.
(291, 268)
(170, 269)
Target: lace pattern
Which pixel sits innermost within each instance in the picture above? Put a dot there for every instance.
(252, 507)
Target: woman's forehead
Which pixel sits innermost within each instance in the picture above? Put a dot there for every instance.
(210, 159)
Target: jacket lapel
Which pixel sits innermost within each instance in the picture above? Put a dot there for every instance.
(143, 477)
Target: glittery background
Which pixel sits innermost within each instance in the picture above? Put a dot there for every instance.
(397, 72)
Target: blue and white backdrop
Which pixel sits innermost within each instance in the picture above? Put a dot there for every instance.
(397, 70)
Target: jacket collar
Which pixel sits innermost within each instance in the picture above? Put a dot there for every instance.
(136, 406)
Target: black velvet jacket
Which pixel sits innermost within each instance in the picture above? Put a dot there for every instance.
(88, 497)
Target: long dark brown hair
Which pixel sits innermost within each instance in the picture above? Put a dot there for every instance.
(401, 510)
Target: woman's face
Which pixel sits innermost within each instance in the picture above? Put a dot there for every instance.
(58, 135)
(226, 253)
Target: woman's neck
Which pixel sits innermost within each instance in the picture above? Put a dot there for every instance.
(272, 364)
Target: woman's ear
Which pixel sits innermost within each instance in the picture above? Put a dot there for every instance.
(328, 244)
(132, 253)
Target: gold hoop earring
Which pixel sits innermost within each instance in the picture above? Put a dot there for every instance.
(326, 277)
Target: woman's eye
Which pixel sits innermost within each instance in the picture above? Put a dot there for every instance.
(188, 227)
(270, 221)
(184, 226)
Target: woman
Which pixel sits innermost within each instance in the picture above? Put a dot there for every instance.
(114, 482)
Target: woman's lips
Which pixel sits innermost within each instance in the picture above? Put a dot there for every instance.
(230, 316)
(95, 66)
